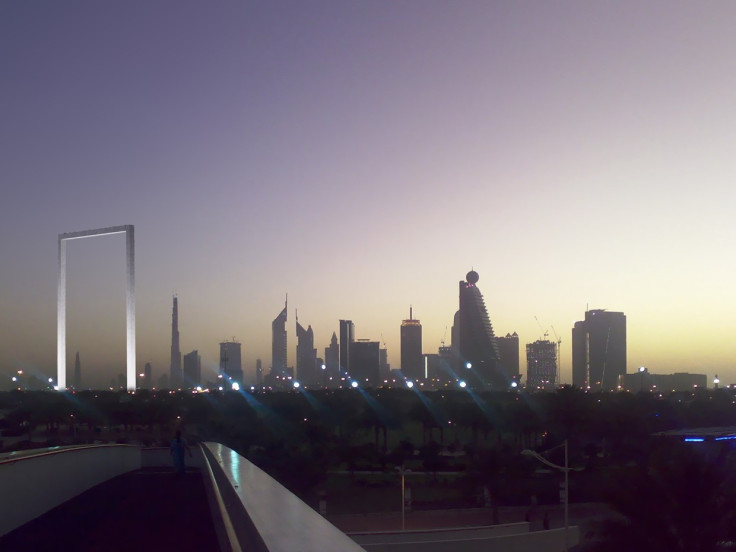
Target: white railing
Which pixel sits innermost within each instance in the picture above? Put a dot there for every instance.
(278, 521)
(33, 484)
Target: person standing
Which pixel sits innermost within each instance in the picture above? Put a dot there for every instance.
(177, 450)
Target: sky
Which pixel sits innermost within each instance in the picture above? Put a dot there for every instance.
(362, 157)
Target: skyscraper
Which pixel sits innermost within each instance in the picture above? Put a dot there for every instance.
(365, 361)
(77, 373)
(175, 366)
(259, 372)
(508, 349)
(192, 370)
(602, 335)
(541, 365)
(412, 363)
(579, 356)
(384, 368)
(231, 367)
(332, 363)
(476, 343)
(278, 344)
(147, 376)
(306, 355)
(347, 337)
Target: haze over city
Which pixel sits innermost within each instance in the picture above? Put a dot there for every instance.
(363, 157)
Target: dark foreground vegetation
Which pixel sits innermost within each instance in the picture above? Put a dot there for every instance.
(463, 449)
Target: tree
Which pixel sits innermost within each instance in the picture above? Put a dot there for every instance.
(683, 501)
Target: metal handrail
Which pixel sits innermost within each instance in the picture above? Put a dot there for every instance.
(32, 455)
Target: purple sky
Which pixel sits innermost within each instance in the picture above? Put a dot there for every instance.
(363, 156)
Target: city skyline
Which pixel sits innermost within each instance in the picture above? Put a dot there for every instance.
(362, 158)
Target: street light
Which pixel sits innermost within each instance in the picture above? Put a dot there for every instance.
(402, 470)
(566, 469)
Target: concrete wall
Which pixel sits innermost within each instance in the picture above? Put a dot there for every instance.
(32, 485)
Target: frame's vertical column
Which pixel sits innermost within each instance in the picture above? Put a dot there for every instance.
(130, 304)
(61, 319)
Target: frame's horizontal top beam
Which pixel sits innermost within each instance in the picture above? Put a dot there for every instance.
(98, 232)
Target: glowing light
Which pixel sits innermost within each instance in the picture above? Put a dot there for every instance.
(410, 384)
(236, 386)
(514, 384)
(462, 384)
(468, 365)
(324, 367)
(642, 369)
(296, 385)
(694, 439)
(199, 389)
(353, 384)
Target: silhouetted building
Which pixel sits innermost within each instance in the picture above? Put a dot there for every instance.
(278, 345)
(579, 356)
(231, 367)
(147, 376)
(432, 370)
(347, 337)
(644, 381)
(306, 356)
(384, 368)
(192, 370)
(476, 343)
(603, 334)
(541, 365)
(412, 364)
(175, 367)
(77, 372)
(444, 370)
(365, 362)
(332, 363)
(259, 373)
(163, 381)
(508, 349)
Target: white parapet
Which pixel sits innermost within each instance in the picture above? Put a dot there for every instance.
(33, 484)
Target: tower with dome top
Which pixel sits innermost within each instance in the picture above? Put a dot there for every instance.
(476, 347)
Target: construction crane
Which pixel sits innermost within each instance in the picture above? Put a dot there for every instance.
(559, 357)
(545, 332)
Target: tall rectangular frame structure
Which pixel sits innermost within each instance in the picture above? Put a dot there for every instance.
(128, 230)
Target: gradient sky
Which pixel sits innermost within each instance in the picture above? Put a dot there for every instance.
(361, 157)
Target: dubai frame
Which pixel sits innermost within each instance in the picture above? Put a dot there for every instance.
(129, 300)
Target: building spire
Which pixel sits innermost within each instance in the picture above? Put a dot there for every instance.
(175, 366)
